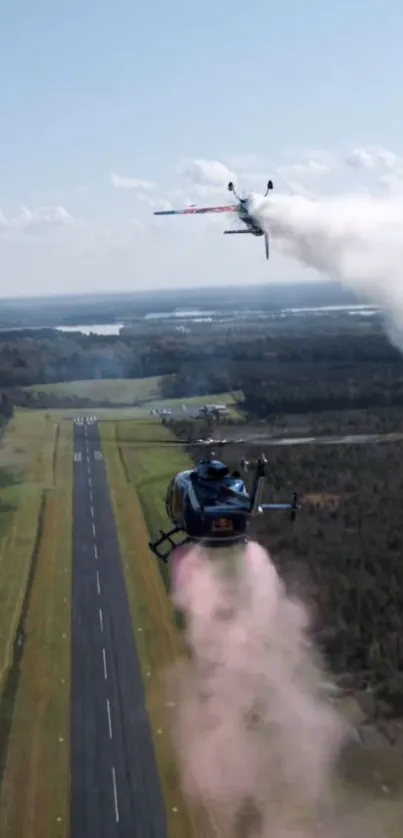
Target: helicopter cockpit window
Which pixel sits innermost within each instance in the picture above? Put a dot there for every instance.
(217, 473)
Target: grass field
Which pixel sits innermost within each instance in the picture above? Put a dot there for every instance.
(27, 462)
(34, 793)
(149, 467)
(157, 639)
(120, 390)
(126, 391)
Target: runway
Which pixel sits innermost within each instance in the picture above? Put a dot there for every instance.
(115, 788)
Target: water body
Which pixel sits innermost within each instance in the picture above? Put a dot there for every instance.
(204, 316)
(196, 315)
(94, 328)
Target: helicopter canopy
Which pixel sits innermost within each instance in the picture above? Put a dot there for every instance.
(212, 470)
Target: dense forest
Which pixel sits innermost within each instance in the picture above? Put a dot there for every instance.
(276, 373)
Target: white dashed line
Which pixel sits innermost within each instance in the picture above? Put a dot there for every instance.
(115, 795)
(98, 584)
(101, 619)
(104, 660)
(89, 481)
(93, 529)
(108, 710)
(91, 496)
(92, 511)
(95, 551)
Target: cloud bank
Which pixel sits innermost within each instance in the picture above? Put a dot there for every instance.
(337, 213)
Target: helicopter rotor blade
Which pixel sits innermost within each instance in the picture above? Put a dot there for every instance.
(276, 442)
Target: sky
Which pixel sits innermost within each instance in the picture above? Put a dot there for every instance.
(112, 110)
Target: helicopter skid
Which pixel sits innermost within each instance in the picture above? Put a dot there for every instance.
(166, 537)
(210, 543)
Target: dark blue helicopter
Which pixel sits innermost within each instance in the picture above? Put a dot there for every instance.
(211, 504)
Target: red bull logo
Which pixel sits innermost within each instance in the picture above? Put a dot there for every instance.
(222, 525)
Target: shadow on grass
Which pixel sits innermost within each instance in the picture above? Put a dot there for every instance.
(7, 509)
(10, 477)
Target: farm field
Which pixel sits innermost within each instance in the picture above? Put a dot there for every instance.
(35, 706)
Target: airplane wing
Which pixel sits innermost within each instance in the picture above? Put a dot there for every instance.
(196, 210)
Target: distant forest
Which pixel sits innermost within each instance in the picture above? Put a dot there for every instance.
(276, 373)
(124, 307)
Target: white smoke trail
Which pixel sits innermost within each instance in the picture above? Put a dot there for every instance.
(356, 239)
(255, 737)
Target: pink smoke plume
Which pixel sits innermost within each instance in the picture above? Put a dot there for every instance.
(256, 739)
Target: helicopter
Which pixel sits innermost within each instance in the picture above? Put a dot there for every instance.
(211, 504)
(242, 208)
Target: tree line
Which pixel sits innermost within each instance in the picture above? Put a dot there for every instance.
(281, 373)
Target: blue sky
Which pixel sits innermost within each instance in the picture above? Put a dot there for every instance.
(96, 88)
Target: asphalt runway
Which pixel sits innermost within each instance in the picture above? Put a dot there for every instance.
(115, 788)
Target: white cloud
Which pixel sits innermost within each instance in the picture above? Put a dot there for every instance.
(373, 157)
(312, 168)
(206, 176)
(39, 244)
(132, 184)
(360, 158)
(37, 219)
(389, 184)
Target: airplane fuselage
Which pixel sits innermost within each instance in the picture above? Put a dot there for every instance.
(246, 218)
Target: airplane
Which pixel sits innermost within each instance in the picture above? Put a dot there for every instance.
(210, 504)
(242, 209)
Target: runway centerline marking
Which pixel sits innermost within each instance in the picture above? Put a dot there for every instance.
(98, 584)
(93, 529)
(95, 551)
(92, 511)
(91, 496)
(104, 662)
(108, 710)
(115, 794)
(101, 619)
